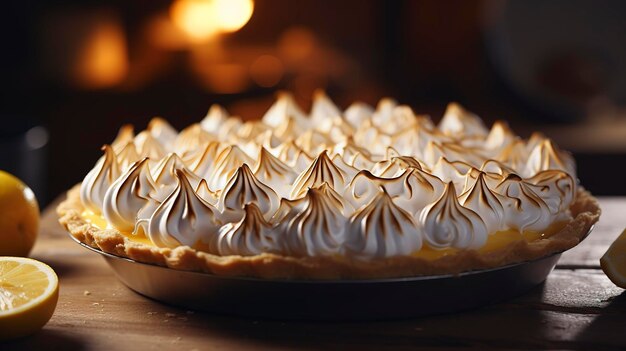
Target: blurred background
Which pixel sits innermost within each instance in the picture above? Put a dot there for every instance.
(74, 71)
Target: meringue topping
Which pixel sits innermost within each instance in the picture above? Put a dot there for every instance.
(183, 218)
(382, 229)
(242, 188)
(525, 210)
(459, 123)
(449, 224)
(98, 180)
(274, 173)
(317, 229)
(125, 198)
(322, 170)
(252, 235)
(360, 183)
(485, 202)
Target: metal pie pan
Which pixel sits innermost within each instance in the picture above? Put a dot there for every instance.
(372, 299)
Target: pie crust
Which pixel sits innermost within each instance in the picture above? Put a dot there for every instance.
(585, 212)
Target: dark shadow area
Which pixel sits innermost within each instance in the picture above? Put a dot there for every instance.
(607, 326)
(45, 339)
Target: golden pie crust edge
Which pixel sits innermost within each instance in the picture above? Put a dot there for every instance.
(585, 212)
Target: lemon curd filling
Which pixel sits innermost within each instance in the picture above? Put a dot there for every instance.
(495, 241)
(101, 223)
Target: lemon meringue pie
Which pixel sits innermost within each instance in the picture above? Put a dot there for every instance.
(361, 193)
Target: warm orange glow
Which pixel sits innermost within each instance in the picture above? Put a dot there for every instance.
(203, 19)
(231, 15)
(224, 78)
(297, 43)
(195, 17)
(267, 71)
(103, 61)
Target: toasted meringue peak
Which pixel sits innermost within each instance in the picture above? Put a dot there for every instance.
(401, 118)
(514, 155)
(453, 152)
(491, 173)
(458, 122)
(204, 161)
(125, 135)
(525, 209)
(191, 138)
(546, 156)
(357, 113)
(98, 180)
(318, 229)
(382, 229)
(228, 130)
(313, 142)
(485, 202)
(448, 224)
(384, 112)
(496, 167)
(414, 139)
(322, 170)
(162, 131)
(329, 182)
(372, 137)
(226, 164)
(149, 146)
(242, 188)
(127, 156)
(347, 169)
(452, 172)
(268, 140)
(394, 166)
(556, 188)
(251, 129)
(214, 119)
(206, 193)
(535, 139)
(323, 108)
(164, 173)
(284, 108)
(347, 149)
(412, 190)
(274, 173)
(183, 218)
(499, 136)
(252, 235)
(128, 195)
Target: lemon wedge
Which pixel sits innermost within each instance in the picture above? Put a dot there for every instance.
(613, 262)
(29, 291)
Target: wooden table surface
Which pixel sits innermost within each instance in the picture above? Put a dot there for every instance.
(576, 308)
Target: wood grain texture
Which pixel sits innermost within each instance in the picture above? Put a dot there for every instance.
(577, 308)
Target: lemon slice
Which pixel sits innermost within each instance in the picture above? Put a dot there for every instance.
(613, 262)
(29, 291)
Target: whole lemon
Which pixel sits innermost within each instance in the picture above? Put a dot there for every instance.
(19, 216)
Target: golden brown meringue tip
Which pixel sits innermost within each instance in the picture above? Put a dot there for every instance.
(458, 122)
(125, 135)
(127, 155)
(284, 107)
(203, 191)
(499, 136)
(323, 107)
(535, 139)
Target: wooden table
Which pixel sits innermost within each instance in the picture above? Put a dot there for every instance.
(576, 308)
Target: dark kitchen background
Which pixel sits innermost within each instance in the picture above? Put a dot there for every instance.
(74, 71)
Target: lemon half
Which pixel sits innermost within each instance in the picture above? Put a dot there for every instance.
(613, 262)
(19, 216)
(29, 291)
